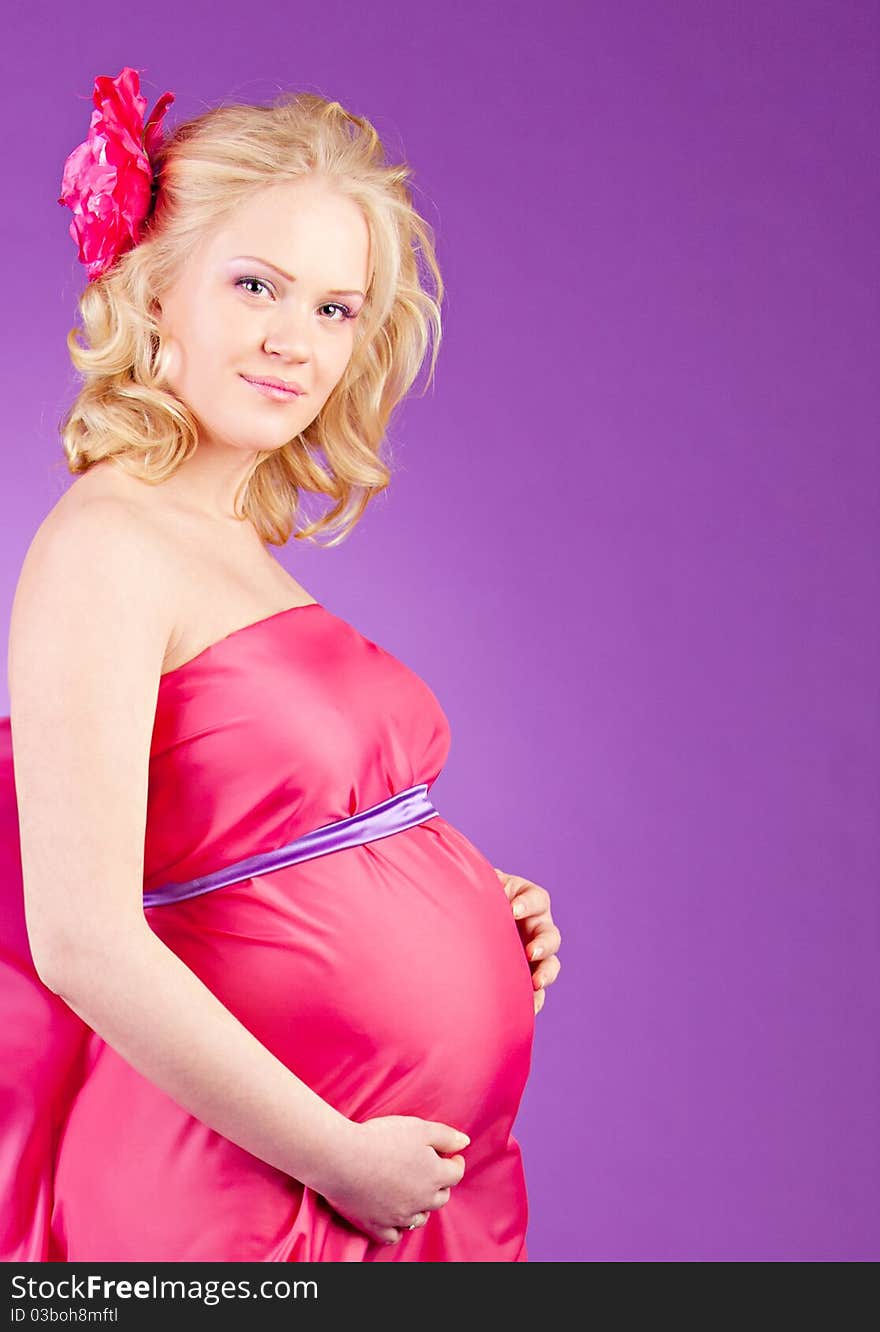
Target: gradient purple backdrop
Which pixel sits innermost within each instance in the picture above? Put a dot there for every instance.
(632, 544)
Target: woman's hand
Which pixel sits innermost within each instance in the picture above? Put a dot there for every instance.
(393, 1174)
(541, 939)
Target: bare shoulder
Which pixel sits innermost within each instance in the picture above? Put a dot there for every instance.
(87, 638)
(93, 576)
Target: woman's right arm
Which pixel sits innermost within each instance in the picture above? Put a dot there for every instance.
(89, 630)
(87, 639)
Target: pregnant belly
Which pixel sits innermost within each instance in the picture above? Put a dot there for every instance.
(390, 977)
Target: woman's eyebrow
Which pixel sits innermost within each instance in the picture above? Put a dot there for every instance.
(252, 258)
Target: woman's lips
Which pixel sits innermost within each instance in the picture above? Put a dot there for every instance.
(272, 391)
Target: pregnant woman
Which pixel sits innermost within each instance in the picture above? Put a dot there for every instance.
(261, 1001)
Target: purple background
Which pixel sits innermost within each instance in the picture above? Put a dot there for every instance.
(631, 544)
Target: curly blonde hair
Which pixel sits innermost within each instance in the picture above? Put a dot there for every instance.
(204, 169)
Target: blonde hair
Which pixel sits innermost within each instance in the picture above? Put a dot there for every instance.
(204, 169)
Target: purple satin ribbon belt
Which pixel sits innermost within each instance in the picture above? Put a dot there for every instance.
(400, 811)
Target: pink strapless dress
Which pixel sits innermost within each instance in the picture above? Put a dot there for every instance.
(389, 976)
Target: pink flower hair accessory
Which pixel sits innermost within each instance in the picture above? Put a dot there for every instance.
(108, 179)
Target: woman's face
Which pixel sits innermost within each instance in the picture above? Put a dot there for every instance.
(231, 315)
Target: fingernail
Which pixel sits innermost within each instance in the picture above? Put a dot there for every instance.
(518, 908)
(537, 952)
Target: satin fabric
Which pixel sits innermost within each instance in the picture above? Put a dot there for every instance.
(390, 816)
(389, 976)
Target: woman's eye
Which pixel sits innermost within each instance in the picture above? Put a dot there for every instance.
(334, 305)
(257, 281)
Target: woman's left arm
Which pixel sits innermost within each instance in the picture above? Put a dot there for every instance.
(541, 938)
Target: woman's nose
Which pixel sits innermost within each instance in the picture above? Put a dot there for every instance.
(289, 333)
(287, 343)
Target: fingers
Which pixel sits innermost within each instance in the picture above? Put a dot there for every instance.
(453, 1176)
(545, 972)
(452, 1169)
(529, 899)
(392, 1234)
(545, 940)
(445, 1138)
